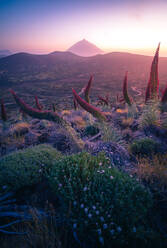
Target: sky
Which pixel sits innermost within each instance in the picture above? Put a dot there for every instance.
(43, 26)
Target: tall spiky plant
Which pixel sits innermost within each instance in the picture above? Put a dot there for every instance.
(89, 108)
(75, 103)
(3, 111)
(87, 89)
(78, 144)
(152, 91)
(125, 90)
(38, 105)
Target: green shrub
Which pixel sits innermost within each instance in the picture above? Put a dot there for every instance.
(104, 206)
(26, 167)
(150, 115)
(145, 146)
(91, 130)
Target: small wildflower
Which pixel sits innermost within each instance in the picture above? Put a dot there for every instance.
(82, 205)
(134, 229)
(111, 177)
(60, 185)
(97, 212)
(94, 207)
(85, 189)
(74, 225)
(105, 226)
(101, 240)
(74, 203)
(108, 215)
(99, 231)
(112, 231)
(101, 218)
(100, 163)
(86, 210)
(119, 229)
(90, 215)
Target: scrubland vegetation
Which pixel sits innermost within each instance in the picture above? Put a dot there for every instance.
(91, 176)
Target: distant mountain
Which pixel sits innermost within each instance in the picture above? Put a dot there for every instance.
(4, 53)
(85, 48)
(107, 68)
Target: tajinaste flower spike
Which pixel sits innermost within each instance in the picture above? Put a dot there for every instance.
(51, 116)
(152, 91)
(125, 90)
(87, 89)
(38, 105)
(75, 103)
(3, 111)
(89, 108)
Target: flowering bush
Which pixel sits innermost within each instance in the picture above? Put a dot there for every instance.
(27, 167)
(104, 205)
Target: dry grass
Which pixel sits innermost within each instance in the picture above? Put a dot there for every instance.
(19, 128)
(153, 171)
(126, 122)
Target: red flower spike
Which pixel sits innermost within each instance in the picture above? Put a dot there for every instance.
(153, 83)
(125, 90)
(87, 89)
(89, 108)
(38, 105)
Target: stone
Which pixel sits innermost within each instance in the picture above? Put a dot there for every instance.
(117, 154)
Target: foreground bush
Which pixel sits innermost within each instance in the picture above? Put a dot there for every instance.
(27, 167)
(145, 146)
(104, 205)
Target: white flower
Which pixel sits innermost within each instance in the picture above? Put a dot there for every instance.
(101, 218)
(112, 231)
(85, 189)
(105, 226)
(90, 215)
(119, 229)
(111, 177)
(86, 210)
(94, 207)
(74, 225)
(97, 212)
(60, 185)
(100, 163)
(101, 240)
(82, 205)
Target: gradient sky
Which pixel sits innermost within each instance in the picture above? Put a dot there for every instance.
(42, 26)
